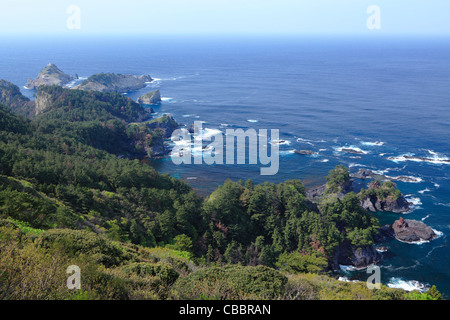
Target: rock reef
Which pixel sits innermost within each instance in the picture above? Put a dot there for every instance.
(369, 174)
(305, 152)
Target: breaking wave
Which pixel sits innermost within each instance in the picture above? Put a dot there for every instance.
(407, 285)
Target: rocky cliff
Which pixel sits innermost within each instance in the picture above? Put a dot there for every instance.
(43, 100)
(151, 135)
(111, 82)
(11, 96)
(359, 257)
(373, 204)
(383, 196)
(50, 75)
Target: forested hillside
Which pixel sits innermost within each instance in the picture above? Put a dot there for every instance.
(69, 196)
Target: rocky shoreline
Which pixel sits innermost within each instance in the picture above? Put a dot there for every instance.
(404, 230)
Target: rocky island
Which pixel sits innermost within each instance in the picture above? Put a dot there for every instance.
(153, 97)
(352, 151)
(406, 230)
(383, 196)
(50, 75)
(111, 82)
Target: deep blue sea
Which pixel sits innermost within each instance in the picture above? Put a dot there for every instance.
(385, 96)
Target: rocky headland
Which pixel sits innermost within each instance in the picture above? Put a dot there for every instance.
(50, 75)
(152, 135)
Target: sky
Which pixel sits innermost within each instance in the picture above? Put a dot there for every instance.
(424, 17)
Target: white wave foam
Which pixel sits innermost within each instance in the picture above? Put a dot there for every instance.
(350, 149)
(409, 179)
(369, 143)
(280, 142)
(345, 268)
(419, 242)
(350, 268)
(168, 99)
(435, 159)
(345, 279)
(438, 233)
(188, 115)
(415, 201)
(443, 204)
(286, 152)
(436, 185)
(407, 285)
(424, 190)
(252, 120)
(426, 217)
(74, 82)
(351, 165)
(433, 153)
(381, 172)
(324, 160)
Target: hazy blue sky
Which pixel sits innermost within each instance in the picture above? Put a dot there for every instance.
(224, 16)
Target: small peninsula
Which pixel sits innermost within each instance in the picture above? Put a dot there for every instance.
(112, 82)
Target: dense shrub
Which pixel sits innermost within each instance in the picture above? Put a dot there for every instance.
(231, 282)
(81, 242)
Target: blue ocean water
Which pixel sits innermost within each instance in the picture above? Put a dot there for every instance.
(385, 96)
